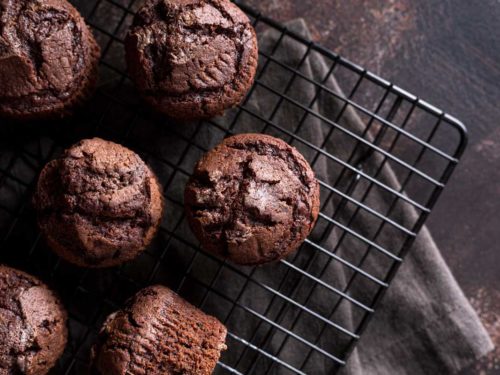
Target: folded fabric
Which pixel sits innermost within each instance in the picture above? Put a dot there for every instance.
(425, 325)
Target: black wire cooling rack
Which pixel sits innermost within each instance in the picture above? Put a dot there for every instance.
(419, 142)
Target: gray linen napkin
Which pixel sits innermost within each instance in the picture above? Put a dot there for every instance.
(425, 324)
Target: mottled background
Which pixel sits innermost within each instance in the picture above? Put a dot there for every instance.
(448, 53)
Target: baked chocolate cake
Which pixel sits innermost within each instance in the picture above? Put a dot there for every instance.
(253, 199)
(158, 333)
(192, 59)
(48, 59)
(33, 330)
(99, 205)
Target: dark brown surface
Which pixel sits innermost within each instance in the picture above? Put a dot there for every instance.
(48, 58)
(33, 328)
(159, 333)
(192, 59)
(448, 53)
(253, 199)
(99, 205)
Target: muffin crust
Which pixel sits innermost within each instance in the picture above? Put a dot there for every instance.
(48, 59)
(192, 59)
(99, 205)
(33, 330)
(253, 199)
(158, 332)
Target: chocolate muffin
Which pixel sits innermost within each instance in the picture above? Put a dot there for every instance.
(158, 333)
(33, 330)
(253, 199)
(48, 59)
(192, 59)
(99, 205)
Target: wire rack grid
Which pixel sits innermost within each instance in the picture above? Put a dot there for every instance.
(420, 143)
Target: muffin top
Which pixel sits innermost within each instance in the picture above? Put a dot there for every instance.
(46, 57)
(192, 57)
(33, 324)
(252, 199)
(99, 203)
(158, 332)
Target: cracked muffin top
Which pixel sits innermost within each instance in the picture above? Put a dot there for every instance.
(98, 205)
(33, 328)
(48, 58)
(192, 59)
(158, 333)
(253, 199)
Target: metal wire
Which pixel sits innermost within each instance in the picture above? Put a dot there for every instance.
(22, 156)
